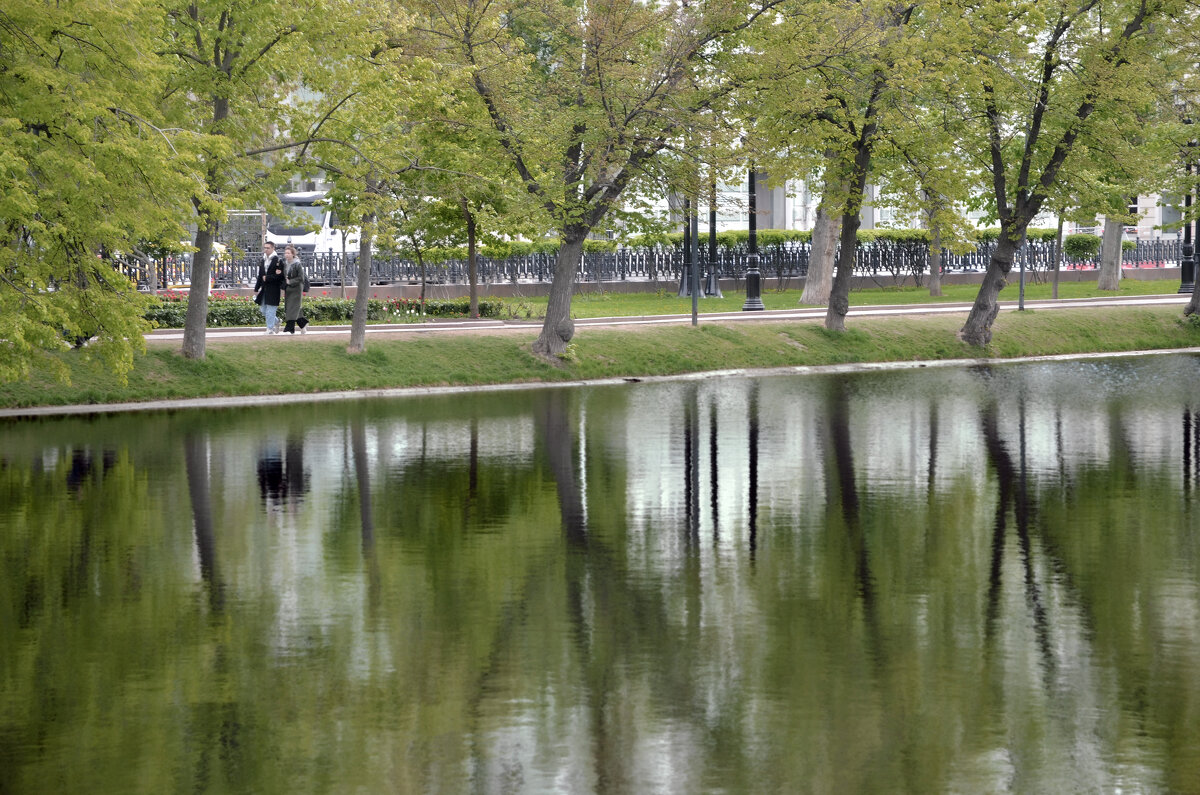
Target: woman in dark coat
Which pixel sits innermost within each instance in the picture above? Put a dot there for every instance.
(268, 287)
(293, 310)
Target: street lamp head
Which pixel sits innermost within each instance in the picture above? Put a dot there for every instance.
(1184, 101)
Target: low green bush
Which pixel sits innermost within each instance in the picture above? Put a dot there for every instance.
(169, 310)
(1082, 246)
(439, 307)
(1033, 233)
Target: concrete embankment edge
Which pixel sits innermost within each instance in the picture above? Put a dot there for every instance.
(251, 401)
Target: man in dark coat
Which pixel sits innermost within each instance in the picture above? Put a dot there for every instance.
(269, 285)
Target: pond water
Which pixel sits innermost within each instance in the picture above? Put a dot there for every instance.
(943, 580)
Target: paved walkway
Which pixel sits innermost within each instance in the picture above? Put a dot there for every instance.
(799, 313)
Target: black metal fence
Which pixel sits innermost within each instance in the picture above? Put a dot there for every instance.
(886, 262)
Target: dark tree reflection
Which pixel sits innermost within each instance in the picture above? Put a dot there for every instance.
(362, 474)
(838, 414)
(713, 470)
(366, 515)
(554, 423)
(753, 456)
(195, 454)
(691, 469)
(1014, 494)
(469, 504)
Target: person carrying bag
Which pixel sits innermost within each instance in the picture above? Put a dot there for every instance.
(296, 284)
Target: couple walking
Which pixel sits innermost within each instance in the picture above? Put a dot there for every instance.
(284, 275)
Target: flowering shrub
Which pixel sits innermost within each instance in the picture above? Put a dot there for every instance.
(410, 308)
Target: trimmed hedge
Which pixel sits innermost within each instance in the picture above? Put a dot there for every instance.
(990, 235)
(1081, 247)
(728, 240)
(169, 310)
(438, 307)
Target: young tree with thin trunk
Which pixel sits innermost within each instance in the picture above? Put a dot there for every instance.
(234, 68)
(840, 73)
(924, 178)
(584, 97)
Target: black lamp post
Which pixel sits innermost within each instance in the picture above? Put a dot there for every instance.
(712, 285)
(753, 278)
(693, 257)
(685, 275)
(1187, 262)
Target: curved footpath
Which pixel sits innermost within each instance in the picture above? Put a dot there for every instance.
(800, 313)
(467, 326)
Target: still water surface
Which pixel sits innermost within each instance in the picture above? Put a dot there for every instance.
(965, 580)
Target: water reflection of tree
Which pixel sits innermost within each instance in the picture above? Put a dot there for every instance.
(846, 489)
(195, 454)
(1014, 495)
(528, 616)
(85, 679)
(614, 619)
(752, 448)
(1123, 572)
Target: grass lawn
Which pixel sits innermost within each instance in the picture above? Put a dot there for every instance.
(666, 302)
(314, 364)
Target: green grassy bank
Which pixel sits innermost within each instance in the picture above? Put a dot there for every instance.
(666, 301)
(313, 365)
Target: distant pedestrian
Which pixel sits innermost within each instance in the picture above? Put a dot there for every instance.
(268, 286)
(296, 285)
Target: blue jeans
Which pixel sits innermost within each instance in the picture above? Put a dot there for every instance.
(270, 313)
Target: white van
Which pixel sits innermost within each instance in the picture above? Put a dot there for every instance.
(309, 225)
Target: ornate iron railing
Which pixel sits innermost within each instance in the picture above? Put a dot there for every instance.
(886, 262)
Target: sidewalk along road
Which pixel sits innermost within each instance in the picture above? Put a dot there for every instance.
(799, 313)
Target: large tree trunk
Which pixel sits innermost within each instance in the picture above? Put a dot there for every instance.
(856, 184)
(196, 321)
(472, 260)
(935, 260)
(1110, 255)
(978, 328)
(358, 324)
(559, 328)
(819, 280)
(839, 298)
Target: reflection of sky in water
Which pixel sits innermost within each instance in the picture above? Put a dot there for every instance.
(951, 579)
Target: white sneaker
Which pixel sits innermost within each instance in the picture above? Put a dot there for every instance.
(304, 329)
(268, 331)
